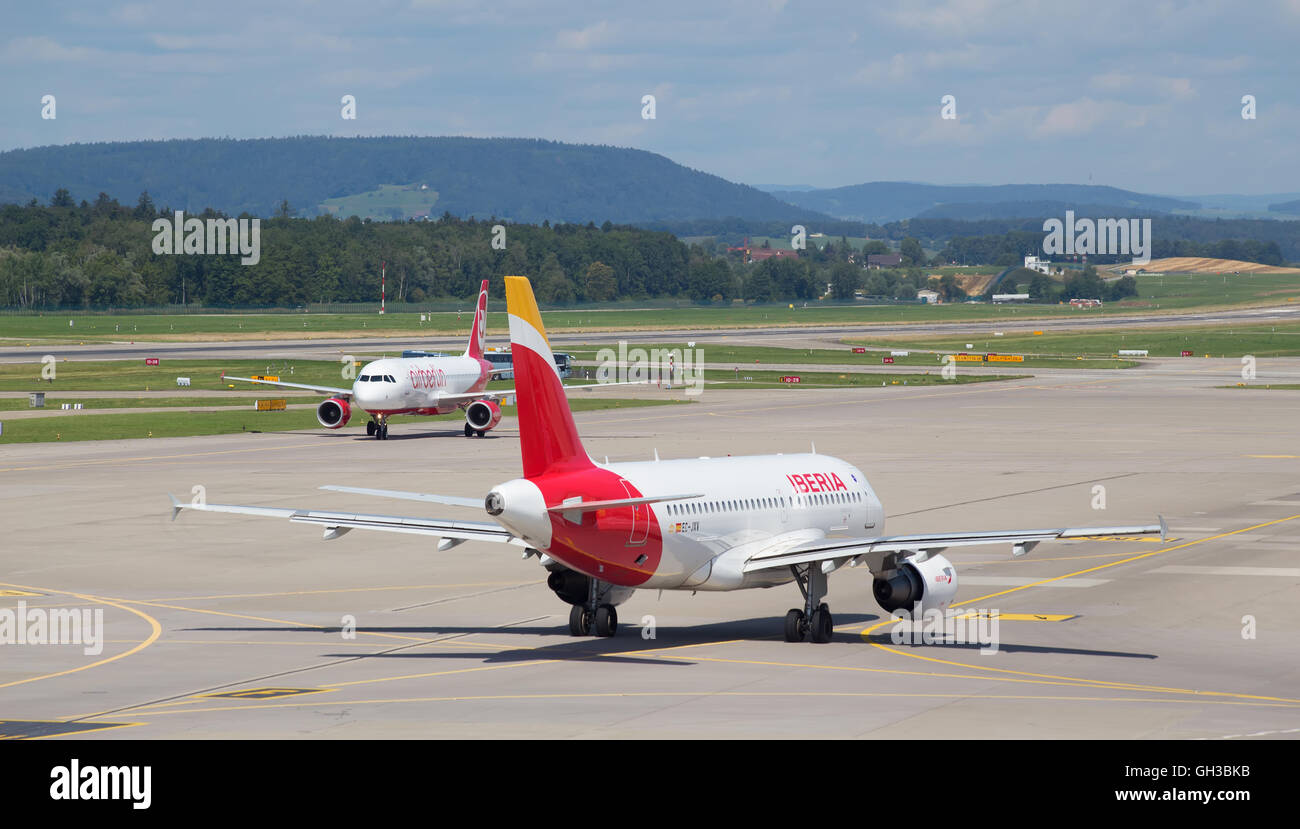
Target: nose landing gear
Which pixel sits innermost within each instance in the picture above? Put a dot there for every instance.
(379, 431)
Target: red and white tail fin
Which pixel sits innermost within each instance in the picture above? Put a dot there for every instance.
(548, 438)
(478, 334)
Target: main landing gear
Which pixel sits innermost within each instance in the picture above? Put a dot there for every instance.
(470, 431)
(379, 431)
(814, 621)
(584, 617)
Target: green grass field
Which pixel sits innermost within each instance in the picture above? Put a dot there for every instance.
(134, 375)
(745, 379)
(714, 354)
(1262, 340)
(388, 201)
(1165, 293)
(185, 424)
(11, 404)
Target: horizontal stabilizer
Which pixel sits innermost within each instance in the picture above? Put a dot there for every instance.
(592, 506)
(337, 523)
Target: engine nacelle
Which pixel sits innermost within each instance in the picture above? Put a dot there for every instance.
(482, 415)
(333, 413)
(570, 585)
(932, 582)
(575, 588)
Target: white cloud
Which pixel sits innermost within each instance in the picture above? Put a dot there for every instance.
(369, 78)
(43, 49)
(584, 39)
(1145, 84)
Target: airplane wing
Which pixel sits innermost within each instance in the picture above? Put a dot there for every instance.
(449, 500)
(874, 551)
(338, 523)
(496, 394)
(330, 390)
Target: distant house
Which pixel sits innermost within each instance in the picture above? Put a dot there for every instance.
(752, 254)
(928, 297)
(884, 260)
(1043, 266)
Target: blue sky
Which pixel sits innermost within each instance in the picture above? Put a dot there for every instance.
(1145, 96)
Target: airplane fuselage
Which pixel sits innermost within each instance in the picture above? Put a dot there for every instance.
(415, 385)
(746, 504)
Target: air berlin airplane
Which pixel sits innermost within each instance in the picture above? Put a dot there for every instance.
(418, 386)
(604, 530)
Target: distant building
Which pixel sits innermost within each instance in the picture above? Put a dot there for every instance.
(1085, 303)
(752, 254)
(1033, 263)
(929, 297)
(997, 298)
(884, 260)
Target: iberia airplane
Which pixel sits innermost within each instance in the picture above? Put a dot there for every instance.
(418, 386)
(605, 530)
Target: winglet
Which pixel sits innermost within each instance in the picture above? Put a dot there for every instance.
(177, 506)
(1164, 529)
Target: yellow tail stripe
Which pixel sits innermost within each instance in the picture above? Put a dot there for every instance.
(520, 303)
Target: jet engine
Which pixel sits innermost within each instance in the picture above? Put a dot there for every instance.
(334, 413)
(932, 581)
(482, 415)
(575, 588)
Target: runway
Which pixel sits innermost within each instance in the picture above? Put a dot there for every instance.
(329, 348)
(233, 626)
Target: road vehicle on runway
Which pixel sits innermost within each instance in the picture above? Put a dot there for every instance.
(605, 530)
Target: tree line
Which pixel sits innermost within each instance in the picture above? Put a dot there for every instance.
(101, 255)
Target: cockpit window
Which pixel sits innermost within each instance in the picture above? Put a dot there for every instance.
(364, 378)
(388, 378)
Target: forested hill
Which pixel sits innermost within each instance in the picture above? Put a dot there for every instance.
(886, 201)
(522, 180)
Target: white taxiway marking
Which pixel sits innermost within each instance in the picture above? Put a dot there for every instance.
(1188, 570)
(1015, 581)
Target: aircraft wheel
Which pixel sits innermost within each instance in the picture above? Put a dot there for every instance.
(606, 620)
(382, 432)
(794, 626)
(823, 627)
(579, 621)
(481, 433)
(469, 430)
(370, 428)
